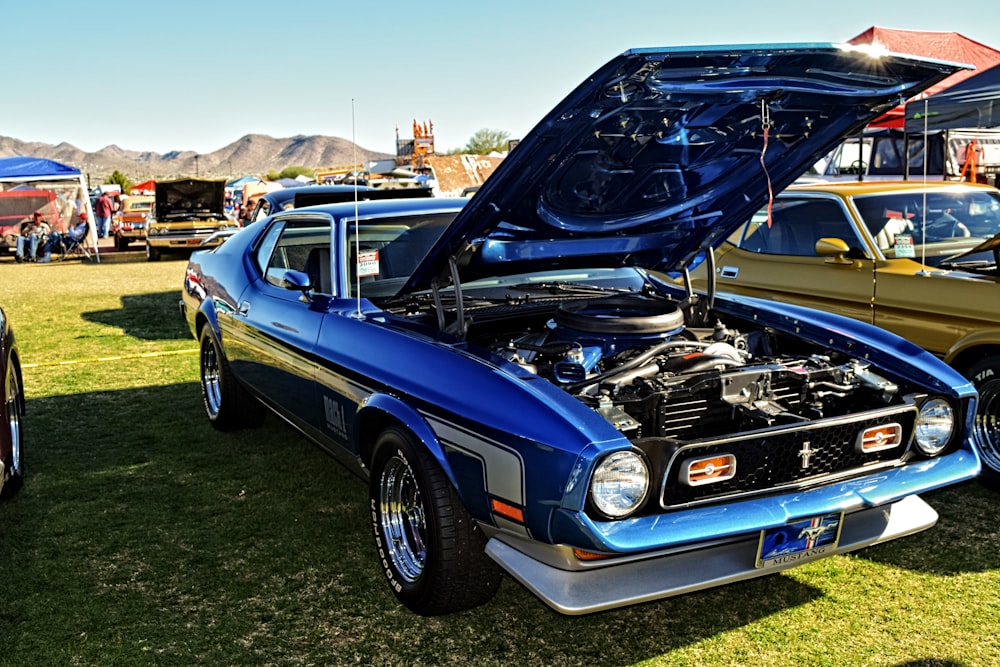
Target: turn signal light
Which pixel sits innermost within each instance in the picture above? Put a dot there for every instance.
(506, 510)
(878, 438)
(708, 470)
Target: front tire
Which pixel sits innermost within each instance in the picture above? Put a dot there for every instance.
(14, 413)
(985, 375)
(430, 549)
(152, 254)
(228, 405)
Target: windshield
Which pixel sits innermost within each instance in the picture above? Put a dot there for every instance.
(384, 251)
(930, 224)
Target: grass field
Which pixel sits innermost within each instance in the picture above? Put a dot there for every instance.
(143, 537)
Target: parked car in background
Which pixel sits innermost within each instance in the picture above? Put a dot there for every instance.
(12, 404)
(312, 195)
(129, 224)
(527, 391)
(276, 201)
(918, 259)
(185, 215)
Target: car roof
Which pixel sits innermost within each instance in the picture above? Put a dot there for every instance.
(860, 188)
(382, 207)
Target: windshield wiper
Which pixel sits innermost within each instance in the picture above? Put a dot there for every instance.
(567, 288)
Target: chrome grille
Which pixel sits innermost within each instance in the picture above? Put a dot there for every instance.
(773, 458)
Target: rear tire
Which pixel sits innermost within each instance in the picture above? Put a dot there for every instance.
(985, 375)
(14, 420)
(228, 405)
(430, 549)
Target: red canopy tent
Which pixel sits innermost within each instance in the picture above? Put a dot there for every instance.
(144, 188)
(949, 46)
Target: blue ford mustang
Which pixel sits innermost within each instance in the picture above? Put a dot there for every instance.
(528, 382)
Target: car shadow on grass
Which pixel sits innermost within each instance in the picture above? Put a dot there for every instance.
(138, 519)
(166, 524)
(963, 540)
(145, 316)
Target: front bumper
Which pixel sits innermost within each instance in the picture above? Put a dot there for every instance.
(680, 571)
(171, 242)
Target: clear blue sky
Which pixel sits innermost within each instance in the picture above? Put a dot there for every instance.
(186, 75)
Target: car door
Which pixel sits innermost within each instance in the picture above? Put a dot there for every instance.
(274, 328)
(774, 257)
(934, 308)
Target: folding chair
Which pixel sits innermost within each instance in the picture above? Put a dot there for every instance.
(71, 247)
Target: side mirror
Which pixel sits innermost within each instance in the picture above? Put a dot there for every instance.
(834, 249)
(298, 281)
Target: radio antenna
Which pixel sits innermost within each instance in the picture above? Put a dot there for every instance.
(357, 223)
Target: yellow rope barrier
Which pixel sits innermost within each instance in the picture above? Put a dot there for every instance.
(144, 355)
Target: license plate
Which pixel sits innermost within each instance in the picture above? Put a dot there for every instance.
(799, 541)
(194, 241)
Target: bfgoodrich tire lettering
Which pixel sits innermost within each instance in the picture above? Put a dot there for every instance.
(227, 404)
(985, 375)
(431, 551)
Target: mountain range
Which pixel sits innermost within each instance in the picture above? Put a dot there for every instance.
(255, 154)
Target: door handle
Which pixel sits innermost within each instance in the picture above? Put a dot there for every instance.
(244, 309)
(729, 272)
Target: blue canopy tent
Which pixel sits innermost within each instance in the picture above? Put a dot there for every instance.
(21, 167)
(66, 182)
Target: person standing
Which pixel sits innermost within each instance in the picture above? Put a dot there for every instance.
(103, 210)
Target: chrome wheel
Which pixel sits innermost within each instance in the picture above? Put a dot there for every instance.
(430, 549)
(211, 383)
(403, 524)
(14, 419)
(14, 408)
(987, 425)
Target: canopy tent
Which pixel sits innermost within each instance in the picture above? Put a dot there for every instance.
(950, 46)
(68, 198)
(973, 103)
(144, 188)
(238, 183)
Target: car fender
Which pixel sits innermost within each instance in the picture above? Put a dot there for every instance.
(373, 415)
(207, 314)
(380, 409)
(981, 338)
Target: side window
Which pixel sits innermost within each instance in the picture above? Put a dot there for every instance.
(297, 245)
(795, 226)
(266, 247)
(260, 211)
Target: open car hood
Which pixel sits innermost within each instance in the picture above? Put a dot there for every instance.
(190, 197)
(662, 152)
(990, 244)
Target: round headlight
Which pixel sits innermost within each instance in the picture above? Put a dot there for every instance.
(935, 426)
(620, 484)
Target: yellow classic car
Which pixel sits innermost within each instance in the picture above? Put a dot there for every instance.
(188, 215)
(917, 258)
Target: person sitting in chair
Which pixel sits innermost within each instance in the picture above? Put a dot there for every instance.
(32, 234)
(76, 234)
